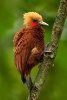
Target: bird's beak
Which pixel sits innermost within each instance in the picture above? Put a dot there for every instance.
(43, 23)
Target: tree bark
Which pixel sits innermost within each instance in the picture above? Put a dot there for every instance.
(53, 46)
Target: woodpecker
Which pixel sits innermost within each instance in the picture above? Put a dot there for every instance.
(29, 44)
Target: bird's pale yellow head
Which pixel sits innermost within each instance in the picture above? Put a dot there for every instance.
(33, 19)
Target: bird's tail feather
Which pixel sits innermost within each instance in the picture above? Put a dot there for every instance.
(23, 79)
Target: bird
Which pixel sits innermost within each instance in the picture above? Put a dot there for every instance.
(29, 44)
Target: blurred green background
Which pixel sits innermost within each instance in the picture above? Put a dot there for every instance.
(11, 87)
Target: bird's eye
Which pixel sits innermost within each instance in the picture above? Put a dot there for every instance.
(34, 20)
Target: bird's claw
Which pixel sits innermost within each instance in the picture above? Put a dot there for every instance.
(45, 52)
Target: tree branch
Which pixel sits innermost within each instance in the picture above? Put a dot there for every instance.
(49, 58)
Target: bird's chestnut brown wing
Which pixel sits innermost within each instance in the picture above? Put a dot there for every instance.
(17, 36)
(22, 47)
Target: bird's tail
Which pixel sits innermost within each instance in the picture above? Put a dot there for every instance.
(28, 81)
(23, 79)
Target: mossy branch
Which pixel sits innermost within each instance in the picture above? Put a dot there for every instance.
(53, 46)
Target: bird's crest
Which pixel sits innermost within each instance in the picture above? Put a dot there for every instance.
(28, 17)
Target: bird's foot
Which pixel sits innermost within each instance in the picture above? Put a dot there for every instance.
(45, 52)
